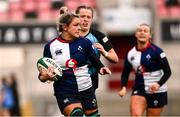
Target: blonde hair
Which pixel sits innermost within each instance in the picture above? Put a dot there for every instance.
(65, 19)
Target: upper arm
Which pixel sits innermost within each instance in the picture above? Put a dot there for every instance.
(103, 40)
(47, 52)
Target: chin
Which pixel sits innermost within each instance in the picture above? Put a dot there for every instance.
(76, 36)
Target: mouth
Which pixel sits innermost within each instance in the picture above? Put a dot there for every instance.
(142, 36)
(85, 24)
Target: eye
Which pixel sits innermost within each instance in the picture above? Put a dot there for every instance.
(140, 30)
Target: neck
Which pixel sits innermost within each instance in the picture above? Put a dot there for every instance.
(67, 38)
(142, 45)
(84, 32)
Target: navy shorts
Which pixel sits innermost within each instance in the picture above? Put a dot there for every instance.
(87, 98)
(155, 100)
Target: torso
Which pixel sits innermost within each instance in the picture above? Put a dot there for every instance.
(67, 55)
(146, 64)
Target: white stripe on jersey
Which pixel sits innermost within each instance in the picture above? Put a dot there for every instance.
(63, 56)
(83, 78)
(134, 57)
(153, 77)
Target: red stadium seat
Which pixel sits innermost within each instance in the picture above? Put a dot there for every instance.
(55, 14)
(162, 11)
(160, 3)
(3, 16)
(174, 11)
(91, 3)
(44, 15)
(16, 16)
(29, 6)
(72, 4)
(15, 6)
(44, 5)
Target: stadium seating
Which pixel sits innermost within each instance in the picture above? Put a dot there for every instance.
(37, 10)
(164, 9)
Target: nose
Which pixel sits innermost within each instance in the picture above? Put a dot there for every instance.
(79, 27)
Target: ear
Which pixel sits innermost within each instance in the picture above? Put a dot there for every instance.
(65, 27)
(150, 36)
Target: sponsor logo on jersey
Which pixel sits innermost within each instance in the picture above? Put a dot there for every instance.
(80, 48)
(94, 102)
(163, 55)
(58, 52)
(66, 100)
(132, 58)
(140, 69)
(135, 92)
(155, 102)
(71, 63)
(105, 39)
(148, 57)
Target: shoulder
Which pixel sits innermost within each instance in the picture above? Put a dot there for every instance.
(84, 40)
(159, 52)
(96, 32)
(156, 48)
(51, 41)
(132, 50)
(132, 53)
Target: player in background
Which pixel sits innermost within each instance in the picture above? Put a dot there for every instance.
(74, 92)
(152, 71)
(100, 41)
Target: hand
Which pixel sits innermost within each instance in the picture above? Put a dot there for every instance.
(122, 92)
(47, 74)
(154, 87)
(100, 48)
(104, 70)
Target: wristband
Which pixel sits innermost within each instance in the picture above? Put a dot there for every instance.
(106, 54)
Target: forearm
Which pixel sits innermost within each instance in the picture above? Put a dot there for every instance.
(167, 72)
(96, 62)
(125, 73)
(111, 56)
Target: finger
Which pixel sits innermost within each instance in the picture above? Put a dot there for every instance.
(109, 72)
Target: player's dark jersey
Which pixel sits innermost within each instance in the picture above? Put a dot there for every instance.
(150, 66)
(72, 57)
(97, 37)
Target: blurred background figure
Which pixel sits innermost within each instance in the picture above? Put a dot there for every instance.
(1, 99)
(6, 97)
(15, 110)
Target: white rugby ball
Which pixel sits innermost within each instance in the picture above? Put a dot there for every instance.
(45, 62)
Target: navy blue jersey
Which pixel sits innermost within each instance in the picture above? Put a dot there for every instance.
(72, 57)
(150, 66)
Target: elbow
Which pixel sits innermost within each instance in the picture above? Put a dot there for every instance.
(170, 73)
(115, 60)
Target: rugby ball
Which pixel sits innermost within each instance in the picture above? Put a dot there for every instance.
(45, 62)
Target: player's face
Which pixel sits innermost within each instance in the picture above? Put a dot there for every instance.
(74, 28)
(86, 18)
(143, 33)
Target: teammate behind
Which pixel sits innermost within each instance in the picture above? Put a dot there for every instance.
(100, 41)
(151, 74)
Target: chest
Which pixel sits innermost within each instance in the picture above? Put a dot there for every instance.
(63, 52)
(146, 59)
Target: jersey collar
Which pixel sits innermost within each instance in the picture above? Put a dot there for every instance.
(143, 49)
